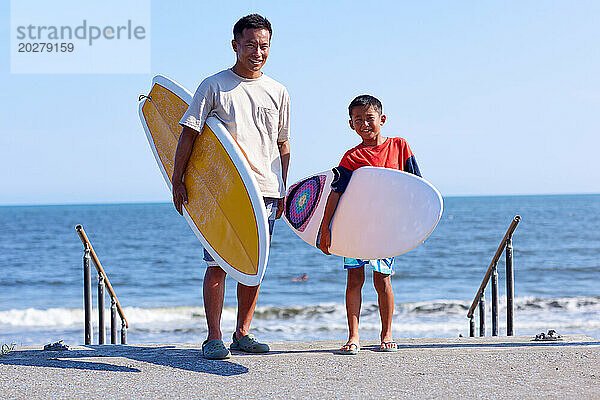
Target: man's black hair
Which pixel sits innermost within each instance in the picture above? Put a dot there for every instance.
(252, 21)
(365, 100)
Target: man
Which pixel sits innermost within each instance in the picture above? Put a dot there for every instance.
(255, 110)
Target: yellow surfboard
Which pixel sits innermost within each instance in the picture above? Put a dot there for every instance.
(225, 206)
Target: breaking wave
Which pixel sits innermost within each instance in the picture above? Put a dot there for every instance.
(428, 311)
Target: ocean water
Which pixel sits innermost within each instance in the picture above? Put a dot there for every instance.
(154, 263)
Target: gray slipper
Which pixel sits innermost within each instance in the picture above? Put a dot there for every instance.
(215, 350)
(249, 344)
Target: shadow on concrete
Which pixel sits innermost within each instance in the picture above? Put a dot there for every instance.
(276, 352)
(59, 359)
(169, 356)
(486, 345)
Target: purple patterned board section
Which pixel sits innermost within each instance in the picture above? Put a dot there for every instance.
(302, 201)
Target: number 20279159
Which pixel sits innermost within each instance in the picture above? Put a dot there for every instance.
(42, 47)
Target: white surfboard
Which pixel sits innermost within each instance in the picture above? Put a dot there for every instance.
(383, 212)
(225, 206)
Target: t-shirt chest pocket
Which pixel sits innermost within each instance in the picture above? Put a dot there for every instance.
(268, 118)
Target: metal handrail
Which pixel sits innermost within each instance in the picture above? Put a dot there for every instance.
(103, 281)
(479, 299)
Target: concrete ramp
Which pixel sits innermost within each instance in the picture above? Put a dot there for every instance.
(498, 367)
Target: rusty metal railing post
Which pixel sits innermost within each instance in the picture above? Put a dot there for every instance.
(495, 319)
(103, 283)
(482, 314)
(123, 332)
(492, 273)
(87, 296)
(101, 326)
(510, 289)
(113, 321)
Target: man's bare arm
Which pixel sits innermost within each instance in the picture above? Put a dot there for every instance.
(182, 157)
(284, 153)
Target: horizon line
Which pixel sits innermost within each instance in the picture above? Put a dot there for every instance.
(114, 203)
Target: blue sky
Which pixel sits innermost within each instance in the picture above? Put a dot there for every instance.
(493, 97)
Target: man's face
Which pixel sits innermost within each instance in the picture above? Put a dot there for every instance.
(367, 122)
(252, 51)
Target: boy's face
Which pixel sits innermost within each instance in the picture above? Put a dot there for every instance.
(367, 122)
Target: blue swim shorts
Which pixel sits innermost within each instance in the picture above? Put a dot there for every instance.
(271, 207)
(384, 265)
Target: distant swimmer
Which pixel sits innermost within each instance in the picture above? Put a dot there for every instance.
(301, 278)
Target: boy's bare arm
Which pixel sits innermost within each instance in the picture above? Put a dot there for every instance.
(182, 157)
(330, 207)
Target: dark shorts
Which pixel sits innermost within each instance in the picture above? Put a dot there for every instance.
(271, 207)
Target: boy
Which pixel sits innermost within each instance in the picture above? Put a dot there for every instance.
(366, 119)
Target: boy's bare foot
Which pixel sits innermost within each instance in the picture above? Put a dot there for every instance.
(388, 346)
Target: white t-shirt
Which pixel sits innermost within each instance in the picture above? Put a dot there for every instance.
(256, 112)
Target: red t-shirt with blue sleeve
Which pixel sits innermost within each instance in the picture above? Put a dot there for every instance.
(392, 153)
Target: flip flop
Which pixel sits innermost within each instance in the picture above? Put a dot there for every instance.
(215, 350)
(350, 351)
(383, 347)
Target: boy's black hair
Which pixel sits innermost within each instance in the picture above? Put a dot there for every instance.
(252, 21)
(365, 100)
